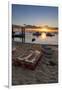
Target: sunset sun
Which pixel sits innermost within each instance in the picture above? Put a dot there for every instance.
(44, 29)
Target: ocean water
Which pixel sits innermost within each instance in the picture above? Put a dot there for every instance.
(42, 39)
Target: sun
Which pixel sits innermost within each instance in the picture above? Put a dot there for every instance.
(44, 29)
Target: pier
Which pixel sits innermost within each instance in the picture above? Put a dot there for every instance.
(19, 29)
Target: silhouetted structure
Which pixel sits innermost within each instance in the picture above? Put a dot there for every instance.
(20, 35)
(23, 34)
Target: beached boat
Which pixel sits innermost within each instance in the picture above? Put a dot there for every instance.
(30, 61)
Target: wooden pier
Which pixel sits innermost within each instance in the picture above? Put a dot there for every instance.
(19, 29)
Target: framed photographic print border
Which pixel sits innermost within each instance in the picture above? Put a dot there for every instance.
(10, 37)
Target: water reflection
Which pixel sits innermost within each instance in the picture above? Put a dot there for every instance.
(41, 39)
(43, 35)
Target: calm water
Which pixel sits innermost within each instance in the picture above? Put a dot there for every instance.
(43, 39)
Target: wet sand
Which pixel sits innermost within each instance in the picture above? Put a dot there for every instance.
(45, 72)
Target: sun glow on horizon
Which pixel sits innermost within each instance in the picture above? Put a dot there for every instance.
(44, 29)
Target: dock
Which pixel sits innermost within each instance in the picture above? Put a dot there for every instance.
(21, 30)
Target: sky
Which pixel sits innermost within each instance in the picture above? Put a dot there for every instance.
(34, 15)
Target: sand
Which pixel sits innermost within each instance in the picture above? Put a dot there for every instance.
(45, 72)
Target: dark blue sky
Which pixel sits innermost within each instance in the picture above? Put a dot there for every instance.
(34, 15)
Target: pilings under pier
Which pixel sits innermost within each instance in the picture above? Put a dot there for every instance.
(22, 35)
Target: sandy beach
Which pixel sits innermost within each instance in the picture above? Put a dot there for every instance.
(45, 72)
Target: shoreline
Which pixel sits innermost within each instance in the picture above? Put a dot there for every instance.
(34, 43)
